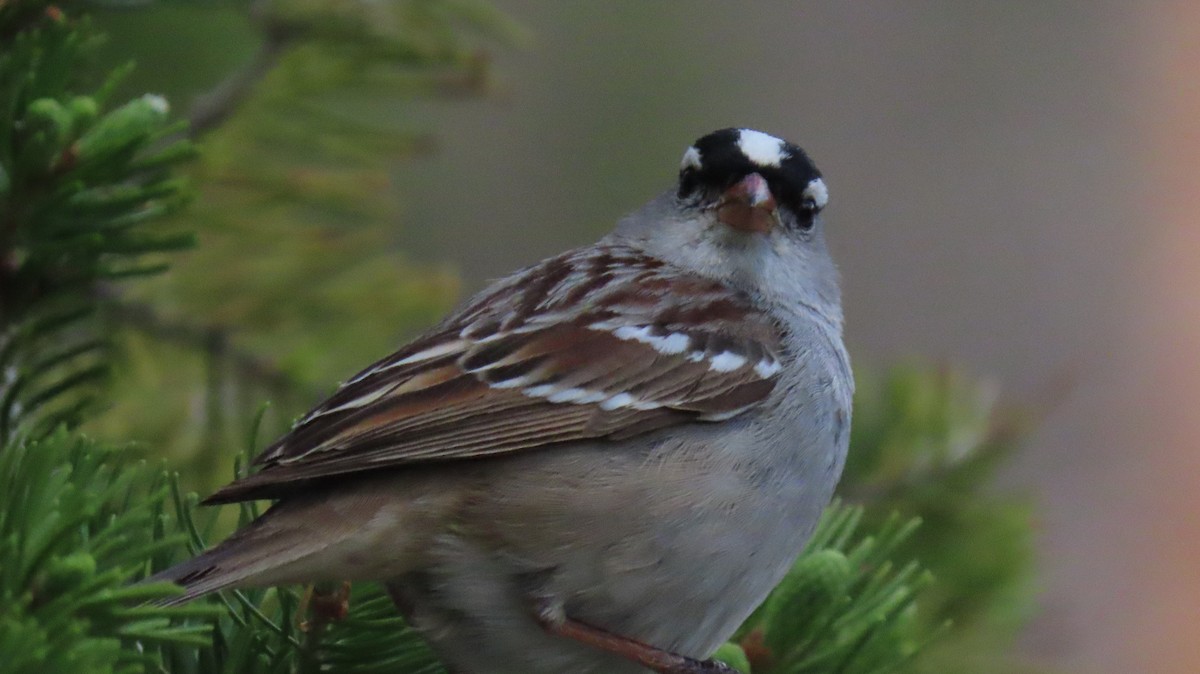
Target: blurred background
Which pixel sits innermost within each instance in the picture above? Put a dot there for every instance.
(1013, 191)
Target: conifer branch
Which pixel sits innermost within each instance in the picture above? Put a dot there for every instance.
(211, 109)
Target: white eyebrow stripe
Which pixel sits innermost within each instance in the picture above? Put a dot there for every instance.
(691, 159)
(760, 148)
(817, 191)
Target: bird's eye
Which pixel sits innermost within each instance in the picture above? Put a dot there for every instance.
(806, 218)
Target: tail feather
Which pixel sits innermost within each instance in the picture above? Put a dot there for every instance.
(262, 554)
(359, 533)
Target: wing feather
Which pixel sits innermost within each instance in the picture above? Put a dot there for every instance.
(598, 343)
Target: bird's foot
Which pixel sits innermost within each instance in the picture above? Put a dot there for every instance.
(551, 617)
(325, 604)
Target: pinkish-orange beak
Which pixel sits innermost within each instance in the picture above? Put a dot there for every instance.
(749, 206)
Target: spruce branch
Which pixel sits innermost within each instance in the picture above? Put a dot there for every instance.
(83, 192)
(77, 522)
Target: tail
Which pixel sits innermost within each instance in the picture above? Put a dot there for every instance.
(354, 534)
(270, 551)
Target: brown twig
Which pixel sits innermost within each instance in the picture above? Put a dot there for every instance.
(211, 109)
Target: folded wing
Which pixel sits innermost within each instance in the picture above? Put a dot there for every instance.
(597, 343)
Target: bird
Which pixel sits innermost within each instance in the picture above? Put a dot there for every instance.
(602, 462)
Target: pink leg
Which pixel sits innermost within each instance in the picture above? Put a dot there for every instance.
(663, 662)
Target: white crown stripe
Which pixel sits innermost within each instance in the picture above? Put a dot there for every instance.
(762, 149)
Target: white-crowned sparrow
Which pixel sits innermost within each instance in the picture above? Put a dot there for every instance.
(601, 463)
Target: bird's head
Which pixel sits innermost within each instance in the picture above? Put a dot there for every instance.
(751, 182)
(746, 210)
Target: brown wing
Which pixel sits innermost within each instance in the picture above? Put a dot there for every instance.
(598, 343)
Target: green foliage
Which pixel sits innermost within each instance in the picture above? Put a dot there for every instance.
(77, 523)
(300, 178)
(925, 443)
(83, 193)
(845, 606)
